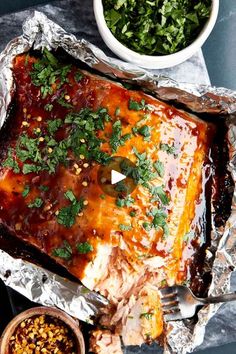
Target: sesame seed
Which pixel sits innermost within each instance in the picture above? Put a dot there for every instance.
(85, 165)
(24, 110)
(76, 165)
(80, 214)
(41, 139)
(84, 183)
(81, 157)
(18, 226)
(39, 119)
(38, 130)
(67, 97)
(82, 140)
(25, 124)
(85, 202)
(57, 212)
(28, 116)
(50, 150)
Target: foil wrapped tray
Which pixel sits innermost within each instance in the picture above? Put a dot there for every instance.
(40, 32)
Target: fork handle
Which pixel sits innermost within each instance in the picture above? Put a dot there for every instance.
(218, 299)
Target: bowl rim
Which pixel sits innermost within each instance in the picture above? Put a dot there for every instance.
(40, 310)
(131, 56)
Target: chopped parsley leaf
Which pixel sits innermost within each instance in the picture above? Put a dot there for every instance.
(159, 220)
(64, 252)
(48, 107)
(168, 148)
(67, 215)
(146, 315)
(43, 188)
(26, 191)
(125, 227)
(158, 193)
(78, 76)
(126, 202)
(63, 102)
(117, 111)
(54, 125)
(48, 72)
(133, 213)
(159, 167)
(84, 247)
(37, 203)
(144, 131)
(11, 162)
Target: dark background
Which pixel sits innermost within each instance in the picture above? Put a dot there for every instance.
(220, 56)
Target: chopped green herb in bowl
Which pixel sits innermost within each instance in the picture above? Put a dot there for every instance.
(141, 31)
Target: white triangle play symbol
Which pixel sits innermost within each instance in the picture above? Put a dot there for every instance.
(116, 177)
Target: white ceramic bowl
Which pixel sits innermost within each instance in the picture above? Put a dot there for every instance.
(149, 61)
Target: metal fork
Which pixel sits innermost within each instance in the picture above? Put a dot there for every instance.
(178, 302)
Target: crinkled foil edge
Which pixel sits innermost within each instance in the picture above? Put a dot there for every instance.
(40, 32)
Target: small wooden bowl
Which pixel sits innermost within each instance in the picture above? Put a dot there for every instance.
(38, 311)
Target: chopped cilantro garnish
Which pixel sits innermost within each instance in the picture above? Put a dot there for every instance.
(159, 167)
(136, 106)
(146, 315)
(84, 247)
(147, 226)
(64, 252)
(64, 103)
(126, 202)
(117, 139)
(188, 236)
(159, 220)
(156, 27)
(158, 193)
(26, 191)
(48, 72)
(37, 203)
(102, 196)
(144, 131)
(43, 188)
(48, 107)
(67, 215)
(125, 227)
(54, 125)
(168, 148)
(28, 168)
(117, 111)
(145, 171)
(11, 162)
(78, 76)
(133, 213)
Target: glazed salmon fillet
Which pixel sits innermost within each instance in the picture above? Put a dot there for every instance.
(65, 124)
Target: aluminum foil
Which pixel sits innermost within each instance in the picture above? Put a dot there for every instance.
(41, 286)
(40, 32)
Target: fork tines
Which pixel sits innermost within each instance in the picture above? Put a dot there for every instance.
(170, 304)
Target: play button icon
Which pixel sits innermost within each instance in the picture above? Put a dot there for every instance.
(117, 178)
